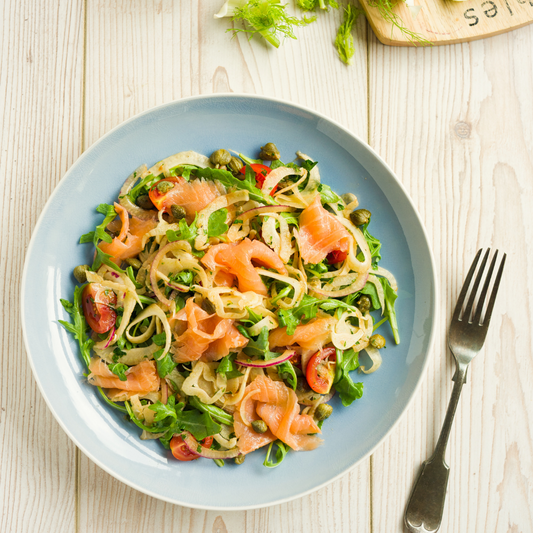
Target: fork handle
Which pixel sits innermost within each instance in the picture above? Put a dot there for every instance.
(426, 503)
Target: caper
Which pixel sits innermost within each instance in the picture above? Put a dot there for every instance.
(259, 426)
(323, 411)
(177, 211)
(364, 304)
(144, 202)
(269, 152)
(360, 216)
(378, 341)
(208, 307)
(348, 198)
(240, 459)
(164, 186)
(220, 157)
(134, 262)
(235, 165)
(80, 273)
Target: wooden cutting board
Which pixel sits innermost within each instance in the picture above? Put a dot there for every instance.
(447, 22)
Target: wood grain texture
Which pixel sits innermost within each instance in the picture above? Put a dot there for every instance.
(457, 128)
(154, 52)
(449, 22)
(41, 51)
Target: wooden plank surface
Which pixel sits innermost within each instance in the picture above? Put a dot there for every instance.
(455, 123)
(458, 129)
(41, 51)
(446, 21)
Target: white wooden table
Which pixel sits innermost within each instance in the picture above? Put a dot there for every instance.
(455, 123)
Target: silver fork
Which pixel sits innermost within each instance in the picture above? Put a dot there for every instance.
(466, 336)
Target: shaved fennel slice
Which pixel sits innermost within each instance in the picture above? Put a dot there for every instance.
(182, 158)
(124, 199)
(193, 387)
(298, 287)
(221, 202)
(379, 291)
(274, 177)
(346, 335)
(375, 356)
(132, 357)
(232, 399)
(153, 310)
(229, 302)
(386, 274)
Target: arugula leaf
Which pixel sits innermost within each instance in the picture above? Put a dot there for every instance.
(78, 327)
(119, 370)
(389, 311)
(160, 339)
(290, 219)
(253, 317)
(185, 277)
(229, 180)
(99, 234)
(249, 161)
(217, 414)
(259, 347)
(216, 225)
(185, 233)
(269, 18)
(201, 425)
(165, 365)
(305, 311)
(347, 389)
(143, 186)
(344, 38)
(227, 367)
(327, 195)
(102, 257)
(163, 411)
(373, 244)
(110, 402)
(281, 452)
(287, 373)
(182, 170)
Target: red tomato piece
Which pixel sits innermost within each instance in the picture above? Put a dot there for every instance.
(320, 372)
(98, 307)
(336, 257)
(158, 198)
(181, 452)
(261, 172)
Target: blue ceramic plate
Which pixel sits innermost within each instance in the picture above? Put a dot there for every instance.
(205, 124)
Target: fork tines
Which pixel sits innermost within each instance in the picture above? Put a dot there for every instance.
(472, 313)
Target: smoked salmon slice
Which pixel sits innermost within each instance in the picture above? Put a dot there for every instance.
(312, 336)
(205, 333)
(278, 406)
(141, 377)
(320, 233)
(129, 242)
(192, 195)
(237, 259)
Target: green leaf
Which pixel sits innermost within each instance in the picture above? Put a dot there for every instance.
(201, 425)
(116, 406)
(346, 362)
(305, 311)
(160, 339)
(102, 257)
(373, 244)
(389, 311)
(312, 5)
(287, 373)
(143, 186)
(344, 39)
(216, 413)
(227, 367)
(290, 219)
(281, 452)
(259, 347)
(165, 365)
(78, 327)
(216, 224)
(119, 370)
(229, 180)
(99, 233)
(327, 196)
(185, 233)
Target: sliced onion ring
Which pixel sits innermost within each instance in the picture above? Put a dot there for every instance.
(357, 285)
(375, 356)
(285, 356)
(125, 201)
(196, 448)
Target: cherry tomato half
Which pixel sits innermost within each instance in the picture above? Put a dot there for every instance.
(163, 200)
(336, 257)
(261, 172)
(320, 372)
(182, 453)
(98, 307)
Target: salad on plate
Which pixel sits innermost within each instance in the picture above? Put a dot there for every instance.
(228, 301)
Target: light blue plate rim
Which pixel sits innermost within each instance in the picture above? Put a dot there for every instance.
(432, 295)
